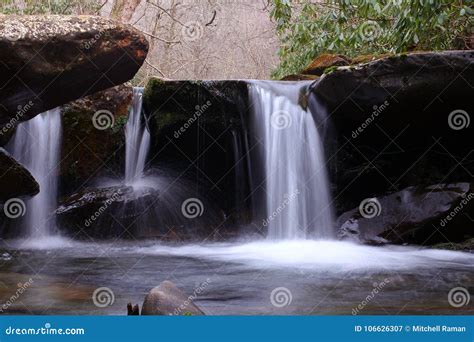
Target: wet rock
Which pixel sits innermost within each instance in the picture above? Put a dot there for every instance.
(49, 60)
(104, 212)
(86, 151)
(398, 121)
(15, 180)
(167, 300)
(416, 215)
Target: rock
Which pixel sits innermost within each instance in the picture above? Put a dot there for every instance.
(49, 60)
(87, 152)
(193, 127)
(416, 215)
(15, 180)
(300, 77)
(104, 212)
(167, 300)
(133, 310)
(392, 123)
(323, 62)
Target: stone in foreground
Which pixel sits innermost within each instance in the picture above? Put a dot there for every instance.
(15, 180)
(167, 300)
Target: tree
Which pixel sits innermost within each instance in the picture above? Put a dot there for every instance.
(352, 27)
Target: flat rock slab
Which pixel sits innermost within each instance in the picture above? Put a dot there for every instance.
(49, 60)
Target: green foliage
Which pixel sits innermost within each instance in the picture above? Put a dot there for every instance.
(352, 27)
(49, 6)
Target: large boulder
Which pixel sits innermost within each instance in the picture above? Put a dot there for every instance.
(167, 300)
(396, 122)
(91, 148)
(416, 215)
(15, 180)
(49, 60)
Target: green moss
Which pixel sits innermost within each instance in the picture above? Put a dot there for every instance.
(467, 245)
(330, 69)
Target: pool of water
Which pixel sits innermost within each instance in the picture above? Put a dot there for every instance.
(298, 277)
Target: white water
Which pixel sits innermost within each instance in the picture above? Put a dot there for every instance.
(137, 141)
(297, 200)
(36, 145)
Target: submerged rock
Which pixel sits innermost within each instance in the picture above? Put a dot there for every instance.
(15, 180)
(416, 215)
(49, 60)
(167, 300)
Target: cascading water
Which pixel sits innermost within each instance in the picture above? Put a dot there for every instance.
(296, 196)
(137, 141)
(36, 145)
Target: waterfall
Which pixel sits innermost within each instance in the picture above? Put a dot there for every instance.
(36, 145)
(296, 196)
(137, 141)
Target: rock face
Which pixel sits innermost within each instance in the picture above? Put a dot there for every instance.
(396, 122)
(416, 215)
(195, 127)
(88, 151)
(49, 60)
(15, 180)
(323, 62)
(167, 300)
